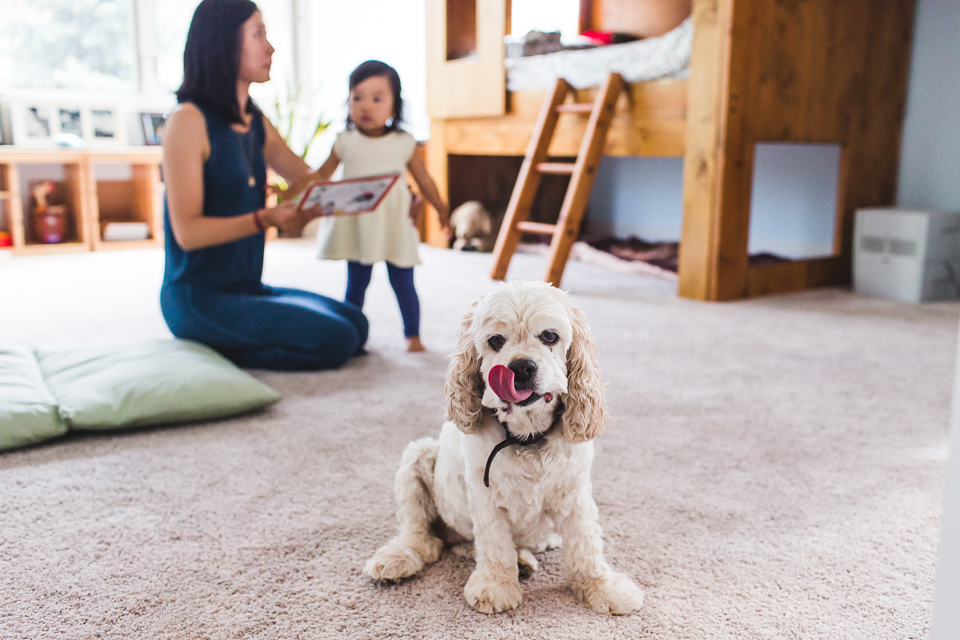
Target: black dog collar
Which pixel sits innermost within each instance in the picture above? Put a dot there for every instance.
(511, 440)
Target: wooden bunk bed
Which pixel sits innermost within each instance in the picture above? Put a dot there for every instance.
(795, 71)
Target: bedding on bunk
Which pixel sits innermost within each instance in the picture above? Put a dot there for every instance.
(537, 43)
(666, 56)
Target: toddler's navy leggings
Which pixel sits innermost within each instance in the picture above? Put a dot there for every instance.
(401, 279)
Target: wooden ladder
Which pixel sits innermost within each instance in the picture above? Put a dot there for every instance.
(582, 174)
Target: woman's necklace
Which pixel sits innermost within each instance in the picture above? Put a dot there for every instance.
(247, 154)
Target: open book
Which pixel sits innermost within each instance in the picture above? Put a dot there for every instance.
(348, 197)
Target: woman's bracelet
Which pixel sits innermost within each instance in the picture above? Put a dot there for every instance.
(258, 222)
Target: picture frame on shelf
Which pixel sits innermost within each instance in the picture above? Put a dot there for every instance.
(103, 126)
(39, 122)
(152, 127)
(6, 123)
(34, 123)
(70, 120)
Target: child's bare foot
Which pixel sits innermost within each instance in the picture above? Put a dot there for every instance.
(414, 345)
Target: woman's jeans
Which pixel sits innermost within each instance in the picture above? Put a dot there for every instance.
(274, 328)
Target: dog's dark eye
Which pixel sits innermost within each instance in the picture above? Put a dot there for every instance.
(549, 338)
(496, 342)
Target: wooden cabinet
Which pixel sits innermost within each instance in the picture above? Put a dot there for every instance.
(137, 199)
(90, 202)
(67, 169)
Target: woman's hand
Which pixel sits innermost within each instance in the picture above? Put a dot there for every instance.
(286, 218)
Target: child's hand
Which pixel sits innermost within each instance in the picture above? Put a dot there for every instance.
(416, 208)
(314, 212)
(297, 187)
(447, 230)
(445, 225)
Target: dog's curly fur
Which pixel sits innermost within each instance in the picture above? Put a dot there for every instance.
(539, 494)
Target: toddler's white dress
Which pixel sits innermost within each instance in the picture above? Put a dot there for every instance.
(386, 233)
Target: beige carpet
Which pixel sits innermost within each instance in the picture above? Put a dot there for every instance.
(773, 469)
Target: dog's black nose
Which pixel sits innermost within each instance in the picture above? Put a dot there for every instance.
(469, 247)
(524, 370)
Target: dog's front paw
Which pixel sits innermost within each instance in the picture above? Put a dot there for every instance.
(486, 594)
(399, 559)
(613, 593)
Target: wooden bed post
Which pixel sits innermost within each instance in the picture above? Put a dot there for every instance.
(702, 163)
(439, 169)
(465, 78)
(465, 53)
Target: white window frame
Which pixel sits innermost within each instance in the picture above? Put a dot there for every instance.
(148, 90)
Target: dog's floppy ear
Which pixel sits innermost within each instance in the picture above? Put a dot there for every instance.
(464, 386)
(584, 415)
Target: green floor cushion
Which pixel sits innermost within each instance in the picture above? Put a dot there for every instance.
(137, 383)
(28, 411)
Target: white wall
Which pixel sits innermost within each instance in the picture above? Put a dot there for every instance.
(930, 177)
(946, 613)
(793, 204)
(930, 158)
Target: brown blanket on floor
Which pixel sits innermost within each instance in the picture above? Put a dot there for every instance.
(658, 254)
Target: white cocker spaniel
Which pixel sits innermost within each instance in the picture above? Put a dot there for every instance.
(510, 471)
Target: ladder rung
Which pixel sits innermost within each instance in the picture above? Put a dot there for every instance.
(537, 227)
(582, 174)
(562, 168)
(576, 107)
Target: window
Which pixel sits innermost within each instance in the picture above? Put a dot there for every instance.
(545, 15)
(68, 44)
(111, 46)
(171, 20)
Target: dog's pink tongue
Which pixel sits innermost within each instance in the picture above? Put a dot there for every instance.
(501, 381)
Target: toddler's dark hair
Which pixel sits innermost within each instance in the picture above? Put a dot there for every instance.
(373, 68)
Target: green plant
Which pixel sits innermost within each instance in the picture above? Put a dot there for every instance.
(288, 106)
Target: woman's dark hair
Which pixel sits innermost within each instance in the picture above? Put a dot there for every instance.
(211, 58)
(371, 69)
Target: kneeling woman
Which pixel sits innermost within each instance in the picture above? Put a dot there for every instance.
(217, 146)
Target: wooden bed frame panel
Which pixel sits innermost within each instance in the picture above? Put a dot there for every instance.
(649, 121)
(468, 84)
(797, 71)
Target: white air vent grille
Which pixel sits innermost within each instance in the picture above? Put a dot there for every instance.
(903, 247)
(872, 244)
(896, 246)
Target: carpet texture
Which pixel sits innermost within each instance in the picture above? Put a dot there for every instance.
(773, 469)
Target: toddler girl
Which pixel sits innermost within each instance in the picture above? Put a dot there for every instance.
(374, 144)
